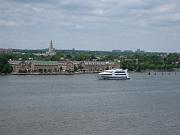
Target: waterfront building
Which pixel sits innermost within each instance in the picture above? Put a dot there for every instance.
(66, 66)
(77, 64)
(20, 66)
(96, 66)
(44, 66)
(34, 66)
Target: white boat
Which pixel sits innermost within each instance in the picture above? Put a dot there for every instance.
(114, 74)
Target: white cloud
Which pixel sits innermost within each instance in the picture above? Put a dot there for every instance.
(176, 16)
(164, 8)
(38, 10)
(5, 23)
(93, 18)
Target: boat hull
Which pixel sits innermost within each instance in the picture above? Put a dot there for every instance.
(101, 77)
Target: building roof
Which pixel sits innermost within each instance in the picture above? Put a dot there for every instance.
(76, 62)
(35, 62)
(12, 62)
(16, 62)
(97, 63)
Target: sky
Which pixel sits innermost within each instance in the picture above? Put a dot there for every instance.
(105, 25)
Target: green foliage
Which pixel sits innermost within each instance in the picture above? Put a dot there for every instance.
(92, 57)
(107, 58)
(81, 57)
(7, 68)
(57, 57)
(131, 61)
(68, 56)
(4, 65)
(128, 64)
(150, 61)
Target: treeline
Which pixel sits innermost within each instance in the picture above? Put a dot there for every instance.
(132, 61)
(151, 61)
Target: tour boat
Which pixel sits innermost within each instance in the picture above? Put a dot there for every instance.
(114, 74)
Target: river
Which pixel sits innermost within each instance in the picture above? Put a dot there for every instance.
(84, 105)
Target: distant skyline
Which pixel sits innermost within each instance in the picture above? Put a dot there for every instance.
(104, 25)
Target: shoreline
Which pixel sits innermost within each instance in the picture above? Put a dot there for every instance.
(65, 73)
(41, 74)
(94, 72)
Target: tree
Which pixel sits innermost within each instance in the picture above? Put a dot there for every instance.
(7, 68)
(4, 65)
(128, 64)
(57, 57)
(81, 57)
(92, 57)
(68, 56)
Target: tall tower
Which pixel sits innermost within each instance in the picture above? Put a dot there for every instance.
(51, 50)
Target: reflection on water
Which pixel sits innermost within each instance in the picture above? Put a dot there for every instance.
(84, 105)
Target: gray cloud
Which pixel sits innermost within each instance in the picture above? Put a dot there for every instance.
(91, 24)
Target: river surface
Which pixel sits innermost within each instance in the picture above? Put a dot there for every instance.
(84, 105)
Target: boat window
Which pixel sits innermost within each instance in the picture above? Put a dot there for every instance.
(119, 72)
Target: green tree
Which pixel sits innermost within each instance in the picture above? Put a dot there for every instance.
(7, 68)
(81, 57)
(57, 57)
(4, 65)
(128, 64)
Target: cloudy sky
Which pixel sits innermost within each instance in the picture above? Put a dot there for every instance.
(151, 25)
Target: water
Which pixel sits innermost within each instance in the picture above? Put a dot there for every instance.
(83, 105)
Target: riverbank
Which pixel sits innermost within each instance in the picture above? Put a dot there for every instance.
(148, 72)
(62, 73)
(41, 73)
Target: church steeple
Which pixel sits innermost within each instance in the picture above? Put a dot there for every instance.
(51, 47)
(51, 50)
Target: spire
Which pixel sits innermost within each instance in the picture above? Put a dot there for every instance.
(51, 50)
(51, 42)
(51, 46)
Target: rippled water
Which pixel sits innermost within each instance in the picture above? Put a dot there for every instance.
(83, 105)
